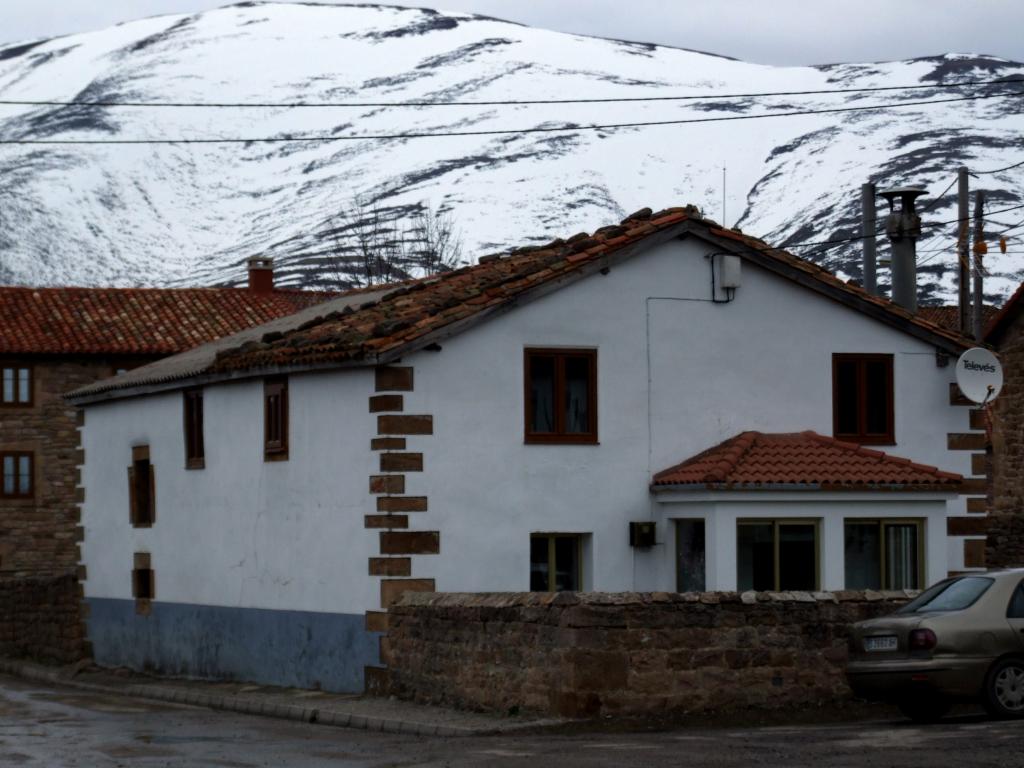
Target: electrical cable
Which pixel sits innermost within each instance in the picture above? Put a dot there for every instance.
(496, 103)
(499, 132)
(997, 170)
(855, 238)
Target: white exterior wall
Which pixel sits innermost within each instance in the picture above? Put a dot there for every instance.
(242, 532)
(676, 375)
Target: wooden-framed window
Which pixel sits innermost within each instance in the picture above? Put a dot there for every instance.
(561, 395)
(556, 562)
(862, 399)
(19, 475)
(275, 418)
(15, 385)
(776, 555)
(141, 488)
(883, 554)
(192, 407)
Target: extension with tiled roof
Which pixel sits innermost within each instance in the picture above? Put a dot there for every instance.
(801, 461)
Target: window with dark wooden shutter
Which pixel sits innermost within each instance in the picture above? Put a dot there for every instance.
(862, 399)
(141, 488)
(561, 395)
(275, 419)
(195, 452)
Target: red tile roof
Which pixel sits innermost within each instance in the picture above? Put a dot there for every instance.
(948, 315)
(1005, 316)
(802, 460)
(134, 321)
(416, 313)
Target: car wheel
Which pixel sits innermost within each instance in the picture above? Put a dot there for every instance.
(924, 710)
(1004, 689)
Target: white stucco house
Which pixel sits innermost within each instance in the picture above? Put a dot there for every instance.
(662, 405)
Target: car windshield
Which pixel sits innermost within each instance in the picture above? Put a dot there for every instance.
(952, 595)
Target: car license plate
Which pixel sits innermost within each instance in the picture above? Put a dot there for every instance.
(884, 643)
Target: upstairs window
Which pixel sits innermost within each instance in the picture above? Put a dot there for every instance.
(862, 399)
(16, 386)
(275, 419)
(18, 475)
(195, 452)
(141, 488)
(561, 395)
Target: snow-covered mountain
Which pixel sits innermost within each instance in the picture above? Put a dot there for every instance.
(178, 214)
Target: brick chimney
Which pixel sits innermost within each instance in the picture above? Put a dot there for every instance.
(261, 274)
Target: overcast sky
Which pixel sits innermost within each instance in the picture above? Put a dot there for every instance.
(765, 31)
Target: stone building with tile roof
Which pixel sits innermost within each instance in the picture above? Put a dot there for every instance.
(505, 427)
(1005, 530)
(53, 340)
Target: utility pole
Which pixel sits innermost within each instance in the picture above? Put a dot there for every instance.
(724, 224)
(979, 250)
(963, 252)
(867, 223)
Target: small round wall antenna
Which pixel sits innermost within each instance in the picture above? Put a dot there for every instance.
(979, 375)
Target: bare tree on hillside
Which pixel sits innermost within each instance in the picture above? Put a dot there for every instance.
(371, 246)
(438, 244)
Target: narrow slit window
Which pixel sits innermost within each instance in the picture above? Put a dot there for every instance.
(195, 450)
(141, 488)
(18, 481)
(690, 556)
(275, 419)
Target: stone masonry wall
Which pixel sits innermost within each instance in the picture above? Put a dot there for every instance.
(1005, 546)
(40, 535)
(40, 619)
(590, 654)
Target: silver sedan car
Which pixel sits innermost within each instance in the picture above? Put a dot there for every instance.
(962, 639)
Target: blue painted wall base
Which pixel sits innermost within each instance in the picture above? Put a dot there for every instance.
(299, 649)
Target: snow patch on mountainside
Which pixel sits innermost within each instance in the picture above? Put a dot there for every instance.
(192, 214)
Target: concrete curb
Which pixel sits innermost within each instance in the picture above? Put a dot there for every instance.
(246, 705)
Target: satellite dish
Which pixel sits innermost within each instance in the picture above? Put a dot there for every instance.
(979, 375)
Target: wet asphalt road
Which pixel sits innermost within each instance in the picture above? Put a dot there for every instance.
(54, 727)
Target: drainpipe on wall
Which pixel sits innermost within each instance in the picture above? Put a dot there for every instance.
(903, 226)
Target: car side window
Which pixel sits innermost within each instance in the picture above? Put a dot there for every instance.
(1016, 609)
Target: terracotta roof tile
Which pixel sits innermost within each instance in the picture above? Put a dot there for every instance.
(948, 315)
(802, 460)
(1001, 320)
(430, 305)
(143, 321)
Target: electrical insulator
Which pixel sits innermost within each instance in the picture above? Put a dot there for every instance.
(1002, 244)
(981, 247)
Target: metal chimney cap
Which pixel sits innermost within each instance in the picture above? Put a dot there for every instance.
(906, 194)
